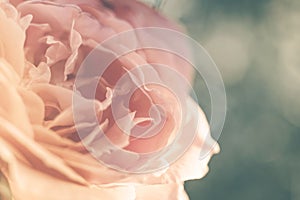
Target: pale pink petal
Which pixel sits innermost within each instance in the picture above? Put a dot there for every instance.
(90, 28)
(34, 48)
(190, 165)
(75, 43)
(59, 17)
(57, 51)
(39, 74)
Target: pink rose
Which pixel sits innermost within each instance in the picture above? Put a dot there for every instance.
(42, 153)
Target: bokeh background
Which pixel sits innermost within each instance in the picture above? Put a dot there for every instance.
(256, 45)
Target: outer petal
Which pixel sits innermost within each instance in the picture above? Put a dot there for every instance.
(11, 104)
(28, 183)
(12, 38)
(33, 153)
(138, 15)
(165, 191)
(34, 106)
(190, 166)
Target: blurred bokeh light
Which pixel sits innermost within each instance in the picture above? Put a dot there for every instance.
(256, 45)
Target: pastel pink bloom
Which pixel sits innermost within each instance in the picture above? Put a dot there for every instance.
(42, 46)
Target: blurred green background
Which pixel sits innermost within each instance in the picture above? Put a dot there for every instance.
(256, 45)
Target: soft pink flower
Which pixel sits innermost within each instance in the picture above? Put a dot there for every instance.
(40, 152)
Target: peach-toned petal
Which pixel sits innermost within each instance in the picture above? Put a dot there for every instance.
(65, 118)
(66, 115)
(12, 106)
(54, 94)
(12, 39)
(87, 166)
(9, 10)
(27, 183)
(44, 135)
(163, 191)
(25, 21)
(75, 43)
(8, 73)
(37, 155)
(34, 106)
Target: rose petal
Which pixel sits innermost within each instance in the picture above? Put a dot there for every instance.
(164, 191)
(38, 156)
(12, 39)
(28, 183)
(34, 106)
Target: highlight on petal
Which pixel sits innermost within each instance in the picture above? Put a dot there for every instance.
(12, 106)
(12, 38)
